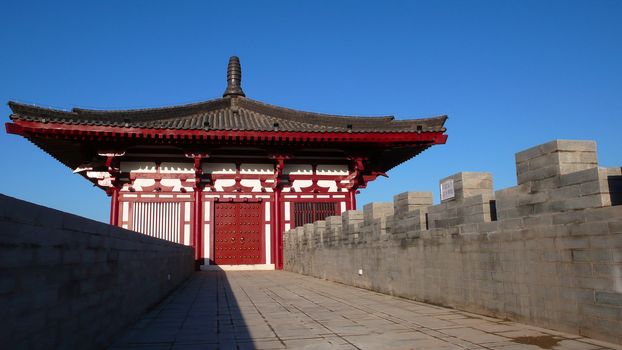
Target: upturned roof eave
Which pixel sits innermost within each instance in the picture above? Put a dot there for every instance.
(26, 127)
(148, 117)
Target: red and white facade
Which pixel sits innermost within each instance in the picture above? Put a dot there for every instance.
(226, 176)
(161, 200)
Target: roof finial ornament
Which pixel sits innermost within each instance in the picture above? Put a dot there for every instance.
(234, 78)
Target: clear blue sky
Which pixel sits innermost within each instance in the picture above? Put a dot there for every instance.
(510, 74)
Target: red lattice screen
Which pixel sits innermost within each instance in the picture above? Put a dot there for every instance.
(308, 212)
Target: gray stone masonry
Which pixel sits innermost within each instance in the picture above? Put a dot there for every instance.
(557, 176)
(67, 282)
(410, 211)
(469, 184)
(351, 221)
(471, 204)
(407, 202)
(333, 229)
(555, 158)
(376, 216)
(553, 257)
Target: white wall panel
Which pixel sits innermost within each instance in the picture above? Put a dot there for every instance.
(332, 170)
(287, 210)
(183, 168)
(330, 184)
(161, 220)
(142, 167)
(298, 169)
(219, 168)
(267, 240)
(256, 168)
(126, 210)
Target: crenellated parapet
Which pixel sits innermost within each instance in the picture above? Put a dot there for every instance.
(558, 176)
(547, 251)
(470, 204)
(410, 212)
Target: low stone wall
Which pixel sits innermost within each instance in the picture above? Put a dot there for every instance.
(72, 283)
(547, 252)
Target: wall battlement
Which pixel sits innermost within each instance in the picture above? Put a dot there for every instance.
(547, 251)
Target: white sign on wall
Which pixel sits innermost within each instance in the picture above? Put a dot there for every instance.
(447, 189)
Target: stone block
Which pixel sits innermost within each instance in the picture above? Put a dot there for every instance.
(600, 311)
(333, 222)
(537, 220)
(591, 255)
(555, 158)
(376, 210)
(578, 157)
(615, 227)
(571, 191)
(378, 228)
(406, 202)
(46, 256)
(468, 229)
(542, 161)
(414, 221)
(476, 209)
(309, 232)
(569, 217)
(320, 228)
(299, 232)
(16, 257)
(333, 228)
(507, 199)
(561, 205)
(555, 146)
(580, 177)
(538, 174)
(467, 184)
(591, 228)
(15, 210)
(352, 217)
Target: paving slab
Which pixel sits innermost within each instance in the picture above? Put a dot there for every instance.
(283, 310)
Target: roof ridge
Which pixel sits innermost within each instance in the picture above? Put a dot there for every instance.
(262, 105)
(295, 122)
(152, 109)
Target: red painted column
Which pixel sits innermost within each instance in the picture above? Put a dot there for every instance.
(278, 234)
(198, 225)
(114, 207)
(351, 205)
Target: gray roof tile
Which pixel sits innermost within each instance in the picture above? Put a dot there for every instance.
(237, 113)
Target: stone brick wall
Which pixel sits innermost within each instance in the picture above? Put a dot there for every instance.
(67, 282)
(547, 252)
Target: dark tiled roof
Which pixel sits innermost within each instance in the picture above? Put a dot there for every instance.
(238, 113)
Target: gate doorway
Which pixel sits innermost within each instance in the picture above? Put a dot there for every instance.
(238, 234)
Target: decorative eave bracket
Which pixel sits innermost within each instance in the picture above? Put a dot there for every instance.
(279, 180)
(360, 175)
(200, 179)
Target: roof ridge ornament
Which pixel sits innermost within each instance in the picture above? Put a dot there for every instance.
(234, 78)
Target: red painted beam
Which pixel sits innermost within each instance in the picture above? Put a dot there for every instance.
(29, 128)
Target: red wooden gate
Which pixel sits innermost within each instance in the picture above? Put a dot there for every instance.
(237, 234)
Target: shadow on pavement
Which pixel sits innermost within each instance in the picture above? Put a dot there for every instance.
(203, 313)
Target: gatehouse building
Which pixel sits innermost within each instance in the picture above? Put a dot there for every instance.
(227, 176)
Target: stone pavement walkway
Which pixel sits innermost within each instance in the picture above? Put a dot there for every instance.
(282, 310)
